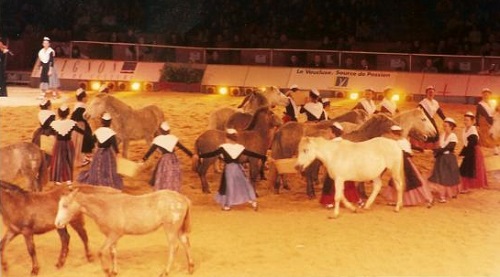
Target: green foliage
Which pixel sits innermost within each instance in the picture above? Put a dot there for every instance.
(181, 74)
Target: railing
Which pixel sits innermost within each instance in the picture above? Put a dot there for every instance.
(279, 57)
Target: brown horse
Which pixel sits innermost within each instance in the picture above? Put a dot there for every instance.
(119, 214)
(31, 214)
(255, 138)
(24, 159)
(270, 97)
(129, 124)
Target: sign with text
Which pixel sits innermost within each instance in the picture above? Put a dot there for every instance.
(104, 70)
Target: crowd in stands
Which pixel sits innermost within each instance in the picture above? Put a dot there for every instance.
(416, 26)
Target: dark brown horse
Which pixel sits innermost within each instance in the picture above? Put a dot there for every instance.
(29, 214)
(255, 138)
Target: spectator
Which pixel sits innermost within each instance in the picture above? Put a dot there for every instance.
(317, 62)
(451, 68)
(294, 61)
(76, 54)
(348, 63)
(59, 52)
(363, 64)
(429, 66)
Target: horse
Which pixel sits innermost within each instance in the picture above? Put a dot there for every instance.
(271, 97)
(24, 159)
(355, 161)
(254, 138)
(29, 214)
(119, 214)
(287, 138)
(489, 133)
(129, 124)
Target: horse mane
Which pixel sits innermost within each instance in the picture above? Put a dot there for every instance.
(11, 187)
(376, 125)
(256, 117)
(261, 99)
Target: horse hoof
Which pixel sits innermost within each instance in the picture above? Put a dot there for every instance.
(59, 264)
(276, 191)
(191, 268)
(5, 267)
(90, 258)
(35, 271)
(396, 210)
(286, 187)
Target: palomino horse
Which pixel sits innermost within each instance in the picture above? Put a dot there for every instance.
(255, 138)
(119, 214)
(129, 124)
(355, 161)
(271, 97)
(31, 214)
(286, 140)
(489, 134)
(24, 159)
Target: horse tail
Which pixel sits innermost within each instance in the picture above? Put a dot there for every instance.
(43, 174)
(186, 224)
(276, 148)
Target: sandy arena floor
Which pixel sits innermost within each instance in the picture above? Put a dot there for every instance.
(289, 235)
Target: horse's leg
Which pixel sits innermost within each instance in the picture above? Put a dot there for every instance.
(78, 225)
(125, 148)
(398, 184)
(9, 236)
(311, 174)
(377, 185)
(202, 172)
(105, 250)
(114, 259)
(172, 246)
(339, 196)
(184, 238)
(30, 244)
(63, 234)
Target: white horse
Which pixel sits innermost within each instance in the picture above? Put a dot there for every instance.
(416, 123)
(119, 214)
(271, 97)
(360, 162)
(129, 124)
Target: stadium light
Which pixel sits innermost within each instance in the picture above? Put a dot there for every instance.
(95, 85)
(353, 95)
(222, 90)
(395, 97)
(135, 86)
(493, 103)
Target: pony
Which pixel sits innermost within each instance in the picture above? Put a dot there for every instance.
(271, 97)
(255, 138)
(355, 161)
(489, 134)
(129, 124)
(287, 138)
(24, 159)
(29, 214)
(119, 214)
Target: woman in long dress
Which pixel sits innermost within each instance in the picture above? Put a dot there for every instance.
(103, 170)
(484, 120)
(328, 192)
(83, 143)
(416, 189)
(167, 174)
(445, 173)
(314, 109)
(367, 103)
(472, 169)
(430, 107)
(48, 76)
(235, 188)
(63, 153)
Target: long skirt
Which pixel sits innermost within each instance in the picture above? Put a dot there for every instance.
(61, 168)
(484, 133)
(167, 174)
(446, 175)
(328, 193)
(102, 170)
(479, 181)
(238, 188)
(77, 140)
(54, 82)
(416, 192)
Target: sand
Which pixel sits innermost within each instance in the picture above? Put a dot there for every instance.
(290, 235)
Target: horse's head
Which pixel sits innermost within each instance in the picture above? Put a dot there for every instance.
(96, 107)
(417, 124)
(68, 207)
(307, 153)
(275, 97)
(275, 120)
